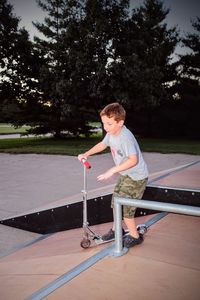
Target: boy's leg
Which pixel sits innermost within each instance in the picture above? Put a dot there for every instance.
(130, 223)
(127, 187)
(134, 191)
(111, 233)
(116, 192)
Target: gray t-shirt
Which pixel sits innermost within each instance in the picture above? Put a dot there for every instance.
(122, 146)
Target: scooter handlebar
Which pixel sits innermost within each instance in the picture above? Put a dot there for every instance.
(86, 163)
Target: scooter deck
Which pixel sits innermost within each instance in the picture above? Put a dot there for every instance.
(100, 241)
(142, 229)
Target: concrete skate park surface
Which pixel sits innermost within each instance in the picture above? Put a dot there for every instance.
(31, 181)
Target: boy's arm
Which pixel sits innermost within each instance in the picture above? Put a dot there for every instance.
(96, 149)
(129, 163)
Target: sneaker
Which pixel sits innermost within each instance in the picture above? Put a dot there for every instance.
(111, 235)
(130, 241)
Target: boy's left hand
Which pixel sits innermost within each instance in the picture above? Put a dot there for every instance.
(106, 175)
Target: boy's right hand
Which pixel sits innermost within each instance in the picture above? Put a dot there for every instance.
(82, 156)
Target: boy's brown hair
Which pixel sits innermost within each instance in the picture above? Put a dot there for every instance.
(114, 110)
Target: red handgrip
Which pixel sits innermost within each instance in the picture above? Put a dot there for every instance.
(86, 163)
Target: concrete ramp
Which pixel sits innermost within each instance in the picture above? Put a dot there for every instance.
(165, 266)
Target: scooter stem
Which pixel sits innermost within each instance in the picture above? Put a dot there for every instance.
(86, 165)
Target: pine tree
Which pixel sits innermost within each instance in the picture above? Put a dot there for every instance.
(144, 64)
(99, 30)
(8, 36)
(18, 67)
(55, 79)
(188, 88)
(191, 61)
(78, 45)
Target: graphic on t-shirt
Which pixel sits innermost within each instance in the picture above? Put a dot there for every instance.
(119, 152)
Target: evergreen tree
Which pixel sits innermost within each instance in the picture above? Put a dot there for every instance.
(78, 46)
(190, 62)
(101, 28)
(143, 66)
(8, 36)
(55, 72)
(188, 88)
(18, 67)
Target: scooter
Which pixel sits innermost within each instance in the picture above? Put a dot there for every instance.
(89, 234)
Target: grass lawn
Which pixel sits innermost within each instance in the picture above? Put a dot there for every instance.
(68, 146)
(9, 129)
(170, 146)
(74, 146)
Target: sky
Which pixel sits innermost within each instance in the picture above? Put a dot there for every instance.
(181, 13)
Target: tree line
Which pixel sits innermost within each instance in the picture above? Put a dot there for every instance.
(94, 52)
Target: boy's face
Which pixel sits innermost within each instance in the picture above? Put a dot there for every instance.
(111, 126)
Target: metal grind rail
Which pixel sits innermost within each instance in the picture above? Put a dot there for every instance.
(160, 206)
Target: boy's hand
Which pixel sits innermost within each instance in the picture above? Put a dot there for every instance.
(82, 156)
(106, 175)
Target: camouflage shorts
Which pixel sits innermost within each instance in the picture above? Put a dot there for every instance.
(129, 188)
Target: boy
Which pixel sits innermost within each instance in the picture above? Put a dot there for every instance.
(129, 163)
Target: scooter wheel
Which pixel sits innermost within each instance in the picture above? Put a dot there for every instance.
(142, 229)
(85, 243)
